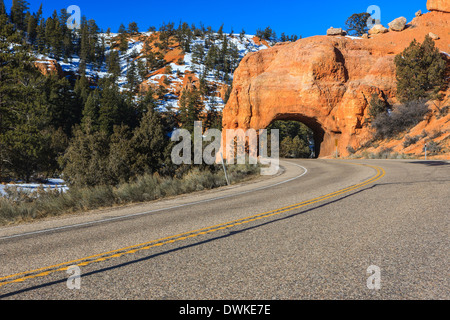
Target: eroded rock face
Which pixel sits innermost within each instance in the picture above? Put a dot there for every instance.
(47, 67)
(324, 82)
(438, 5)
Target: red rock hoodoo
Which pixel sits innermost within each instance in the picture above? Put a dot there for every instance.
(325, 82)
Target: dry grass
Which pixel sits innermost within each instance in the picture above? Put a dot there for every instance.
(20, 206)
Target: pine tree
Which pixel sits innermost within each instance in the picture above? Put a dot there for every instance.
(420, 71)
(220, 32)
(149, 143)
(123, 41)
(357, 24)
(133, 28)
(114, 63)
(32, 29)
(91, 111)
(121, 29)
(121, 155)
(109, 111)
(190, 109)
(123, 47)
(39, 13)
(67, 35)
(132, 76)
(2, 8)
(62, 103)
(18, 12)
(41, 41)
(198, 54)
(85, 162)
(141, 70)
(23, 116)
(242, 35)
(82, 90)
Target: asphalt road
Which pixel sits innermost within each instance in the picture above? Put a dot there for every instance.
(309, 233)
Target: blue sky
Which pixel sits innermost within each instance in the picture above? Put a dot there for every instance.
(305, 18)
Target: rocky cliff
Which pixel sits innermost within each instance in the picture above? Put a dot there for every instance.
(326, 81)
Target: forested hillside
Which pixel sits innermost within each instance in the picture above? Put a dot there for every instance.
(98, 107)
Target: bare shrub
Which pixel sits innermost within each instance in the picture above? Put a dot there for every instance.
(400, 119)
(410, 140)
(433, 147)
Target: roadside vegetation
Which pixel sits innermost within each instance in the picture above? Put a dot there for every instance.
(420, 71)
(110, 144)
(18, 206)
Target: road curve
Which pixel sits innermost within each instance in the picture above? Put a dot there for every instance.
(309, 233)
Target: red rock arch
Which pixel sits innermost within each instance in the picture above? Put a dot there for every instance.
(325, 81)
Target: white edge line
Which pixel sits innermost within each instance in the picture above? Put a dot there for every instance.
(152, 211)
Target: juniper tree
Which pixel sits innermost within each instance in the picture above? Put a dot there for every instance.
(357, 24)
(149, 143)
(85, 162)
(420, 71)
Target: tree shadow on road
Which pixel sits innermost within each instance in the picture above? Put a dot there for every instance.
(431, 163)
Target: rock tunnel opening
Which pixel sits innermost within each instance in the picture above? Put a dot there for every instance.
(315, 132)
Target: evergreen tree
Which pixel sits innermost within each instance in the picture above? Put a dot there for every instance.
(133, 28)
(190, 109)
(420, 71)
(121, 155)
(121, 29)
(149, 143)
(220, 32)
(2, 8)
(82, 90)
(111, 106)
(132, 76)
(357, 24)
(198, 54)
(91, 111)
(18, 13)
(114, 63)
(147, 102)
(123, 43)
(242, 35)
(376, 106)
(23, 116)
(39, 13)
(41, 41)
(32, 29)
(67, 35)
(85, 162)
(61, 103)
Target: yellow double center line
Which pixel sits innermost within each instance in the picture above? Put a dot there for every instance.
(41, 272)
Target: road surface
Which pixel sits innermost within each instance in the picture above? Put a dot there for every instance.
(311, 232)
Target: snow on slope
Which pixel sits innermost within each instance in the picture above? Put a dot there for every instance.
(243, 44)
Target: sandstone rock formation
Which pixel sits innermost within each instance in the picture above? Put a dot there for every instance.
(47, 67)
(438, 5)
(398, 24)
(378, 28)
(336, 32)
(324, 82)
(433, 36)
